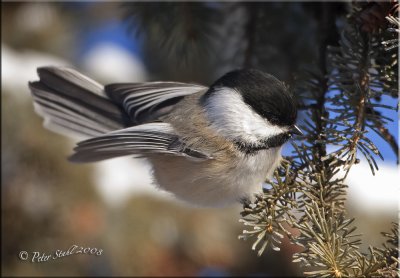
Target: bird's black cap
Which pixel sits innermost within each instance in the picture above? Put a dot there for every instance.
(268, 96)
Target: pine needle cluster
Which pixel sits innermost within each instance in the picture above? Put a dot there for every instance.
(360, 71)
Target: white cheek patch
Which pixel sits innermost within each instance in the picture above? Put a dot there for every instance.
(235, 120)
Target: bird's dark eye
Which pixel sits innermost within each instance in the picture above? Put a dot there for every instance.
(273, 119)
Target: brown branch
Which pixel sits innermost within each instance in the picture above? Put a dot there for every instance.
(384, 133)
(325, 17)
(326, 26)
(363, 84)
(390, 139)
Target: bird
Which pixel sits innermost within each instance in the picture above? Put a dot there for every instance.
(209, 146)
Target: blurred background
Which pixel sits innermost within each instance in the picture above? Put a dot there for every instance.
(50, 204)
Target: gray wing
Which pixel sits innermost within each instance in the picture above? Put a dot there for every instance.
(147, 102)
(152, 138)
(70, 101)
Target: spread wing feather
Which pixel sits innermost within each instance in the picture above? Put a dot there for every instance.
(146, 102)
(70, 101)
(70, 113)
(119, 118)
(138, 140)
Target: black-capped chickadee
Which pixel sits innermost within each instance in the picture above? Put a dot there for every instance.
(209, 146)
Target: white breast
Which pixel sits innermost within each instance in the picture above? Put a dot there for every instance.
(192, 183)
(252, 170)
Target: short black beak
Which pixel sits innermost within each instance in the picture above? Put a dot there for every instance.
(295, 130)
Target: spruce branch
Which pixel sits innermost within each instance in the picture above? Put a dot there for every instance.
(390, 248)
(357, 80)
(380, 262)
(358, 73)
(270, 211)
(326, 24)
(370, 15)
(393, 43)
(328, 242)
